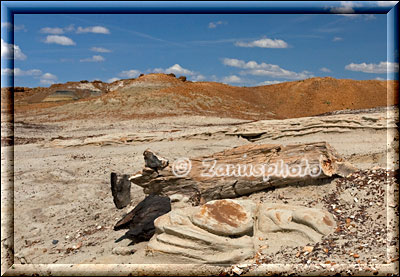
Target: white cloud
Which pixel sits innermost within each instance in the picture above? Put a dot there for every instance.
(100, 50)
(8, 49)
(382, 67)
(270, 83)
(11, 27)
(264, 43)
(232, 79)
(264, 69)
(198, 78)
(346, 7)
(19, 72)
(53, 31)
(386, 3)
(93, 29)
(380, 79)
(62, 40)
(7, 25)
(69, 28)
(133, 73)
(176, 69)
(337, 39)
(324, 69)
(95, 58)
(213, 25)
(179, 70)
(113, 80)
(369, 16)
(7, 71)
(48, 79)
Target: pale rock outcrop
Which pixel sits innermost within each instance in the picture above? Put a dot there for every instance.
(230, 231)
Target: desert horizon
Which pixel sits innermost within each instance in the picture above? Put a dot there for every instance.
(230, 144)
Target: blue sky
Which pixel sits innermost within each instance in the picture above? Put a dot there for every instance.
(242, 50)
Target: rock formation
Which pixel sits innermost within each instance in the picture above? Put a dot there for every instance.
(229, 231)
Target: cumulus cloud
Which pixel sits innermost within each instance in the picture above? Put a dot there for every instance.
(232, 79)
(95, 58)
(62, 40)
(53, 31)
(179, 70)
(198, 78)
(93, 29)
(48, 79)
(382, 67)
(111, 80)
(325, 69)
(346, 7)
(337, 39)
(213, 25)
(264, 43)
(270, 83)
(264, 69)
(7, 51)
(176, 69)
(100, 50)
(20, 72)
(133, 73)
(386, 3)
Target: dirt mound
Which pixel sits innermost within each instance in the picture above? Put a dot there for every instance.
(156, 94)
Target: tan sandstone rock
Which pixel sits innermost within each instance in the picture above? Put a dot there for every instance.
(230, 231)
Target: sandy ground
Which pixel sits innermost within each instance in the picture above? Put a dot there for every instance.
(63, 207)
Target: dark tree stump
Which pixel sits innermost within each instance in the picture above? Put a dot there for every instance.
(121, 190)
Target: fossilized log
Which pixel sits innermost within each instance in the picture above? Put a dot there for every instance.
(245, 169)
(121, 190)
(140, 221)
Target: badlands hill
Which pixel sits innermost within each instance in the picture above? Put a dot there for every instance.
(157, 95)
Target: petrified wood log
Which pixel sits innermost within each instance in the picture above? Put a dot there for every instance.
(140, 221)
(243, 170)
(154, 161)
(121, 190)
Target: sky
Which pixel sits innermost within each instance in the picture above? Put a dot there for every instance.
(236, 49)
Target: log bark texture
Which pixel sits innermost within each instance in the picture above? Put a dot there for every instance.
(245, 169)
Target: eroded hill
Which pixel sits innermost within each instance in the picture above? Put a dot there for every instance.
(157, 95)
